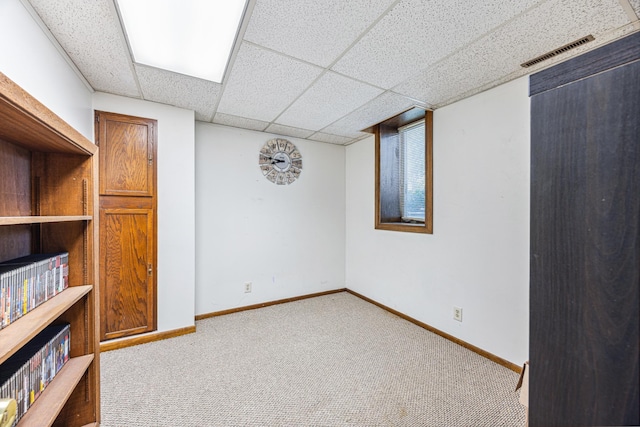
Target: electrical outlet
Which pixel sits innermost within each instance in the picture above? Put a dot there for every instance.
(457, 313)
(247, 287)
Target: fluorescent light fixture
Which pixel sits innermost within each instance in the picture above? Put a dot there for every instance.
(192, 37)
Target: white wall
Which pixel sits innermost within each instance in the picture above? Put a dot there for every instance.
(478, 256)
(176, 204)
(288, 240)
(28, 57)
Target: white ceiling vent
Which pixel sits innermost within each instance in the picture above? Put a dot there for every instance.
(558, 51)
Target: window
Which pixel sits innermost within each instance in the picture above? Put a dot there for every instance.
(404, 172)
(411, 144)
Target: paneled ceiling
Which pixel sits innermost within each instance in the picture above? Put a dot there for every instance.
(327, 69)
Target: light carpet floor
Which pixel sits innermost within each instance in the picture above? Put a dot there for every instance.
(333, 360)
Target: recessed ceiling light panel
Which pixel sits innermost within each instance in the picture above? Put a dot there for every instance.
(192, 37)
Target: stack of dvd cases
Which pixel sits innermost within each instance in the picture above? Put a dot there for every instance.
(26, 373)
(27, 282)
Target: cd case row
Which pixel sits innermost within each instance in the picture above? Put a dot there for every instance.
(27, 373)
(27, 282)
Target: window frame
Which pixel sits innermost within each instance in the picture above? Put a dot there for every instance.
(384, 139)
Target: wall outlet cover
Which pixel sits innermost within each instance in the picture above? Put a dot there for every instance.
(457, 313)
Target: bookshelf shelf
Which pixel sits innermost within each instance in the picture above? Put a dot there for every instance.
(22, 330)
(25, 121)
(26, 220)
(46, 408)
(48, 204)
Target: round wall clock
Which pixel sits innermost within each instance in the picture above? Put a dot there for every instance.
(280, 161)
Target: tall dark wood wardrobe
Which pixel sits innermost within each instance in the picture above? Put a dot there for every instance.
(585, 239)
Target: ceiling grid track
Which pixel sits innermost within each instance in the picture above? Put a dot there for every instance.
(124, 39)
(328, 67)
(232, 59)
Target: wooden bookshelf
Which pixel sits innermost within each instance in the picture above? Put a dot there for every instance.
(22, 330)
(17, 220)
(47, 407)
(48, 194)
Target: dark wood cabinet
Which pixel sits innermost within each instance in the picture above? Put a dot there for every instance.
(585, 239)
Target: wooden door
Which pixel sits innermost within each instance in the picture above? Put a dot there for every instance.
(126, 154)
(127, 239)
(585, 240)
(128, 242)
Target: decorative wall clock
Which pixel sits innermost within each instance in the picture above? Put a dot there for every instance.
(280, 161)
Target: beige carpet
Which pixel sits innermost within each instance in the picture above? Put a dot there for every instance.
(334, 360)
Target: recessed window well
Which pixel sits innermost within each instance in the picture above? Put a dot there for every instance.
(404, 172)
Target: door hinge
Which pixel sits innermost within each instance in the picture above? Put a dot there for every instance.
(97, 121)
(150, 158)
(150, 269)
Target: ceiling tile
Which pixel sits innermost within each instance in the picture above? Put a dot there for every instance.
(330, 98)
(331, 139)
(288, 131)
(263, 83)
(433, 51)
(91, 35)
(410, 37)
(350, 133)
(375, 111)
(315, 31)
(239, 122)
(179, 90)
(501, 53)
